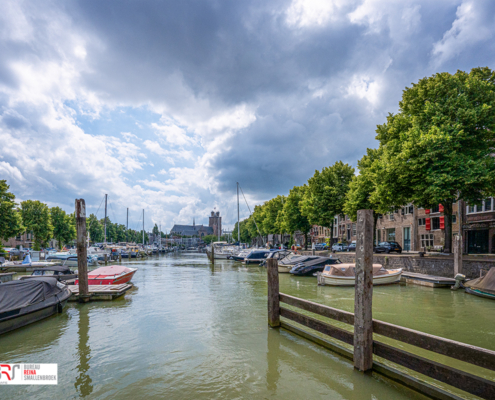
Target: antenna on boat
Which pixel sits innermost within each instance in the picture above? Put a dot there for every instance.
(238, 219)
(106, 197)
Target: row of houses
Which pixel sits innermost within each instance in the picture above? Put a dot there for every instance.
(417, 228)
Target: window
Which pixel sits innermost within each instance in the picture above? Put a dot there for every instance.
(488, 204)
(18, 237)
(435, 209)
(411, 209)
(435, 223)
(421, 221)
(427, 240)
(470, 209)
(354, 229)
(454, 219)
(391, 216)
(390, 235)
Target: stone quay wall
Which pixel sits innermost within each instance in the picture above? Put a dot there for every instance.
(430, 264)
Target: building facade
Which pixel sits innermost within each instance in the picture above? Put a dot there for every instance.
(216, 223)
(479, 227)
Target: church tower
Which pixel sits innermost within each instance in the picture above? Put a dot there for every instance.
(216, 223)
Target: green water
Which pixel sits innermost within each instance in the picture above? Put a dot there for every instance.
(187, 331)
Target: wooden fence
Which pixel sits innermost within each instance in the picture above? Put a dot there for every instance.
(364, 327)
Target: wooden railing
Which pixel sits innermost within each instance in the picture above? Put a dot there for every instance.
(364, 327)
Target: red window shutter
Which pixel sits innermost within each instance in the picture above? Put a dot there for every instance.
(428, 224)
(442, 222)
(427, 211)
(440, 208)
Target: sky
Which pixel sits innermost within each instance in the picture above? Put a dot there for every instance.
(165, 105)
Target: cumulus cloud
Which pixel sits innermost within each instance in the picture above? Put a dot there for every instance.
(168, 115)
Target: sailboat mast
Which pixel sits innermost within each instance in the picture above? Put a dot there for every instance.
(106, 196)
(127, 224)
(143, 227)
(238, 219)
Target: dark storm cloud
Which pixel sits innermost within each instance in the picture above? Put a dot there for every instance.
(313, 90)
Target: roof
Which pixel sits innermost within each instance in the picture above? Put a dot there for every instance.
(191, 230)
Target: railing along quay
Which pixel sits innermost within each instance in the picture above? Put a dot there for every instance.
(364, 327)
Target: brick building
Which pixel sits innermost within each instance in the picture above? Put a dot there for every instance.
(24, 240)
(479, 227)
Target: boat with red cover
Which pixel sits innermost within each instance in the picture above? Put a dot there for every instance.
(111, 275)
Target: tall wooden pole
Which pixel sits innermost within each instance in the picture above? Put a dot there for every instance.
(363, 320)
(106, 197)
(82, 253)
(457, 254)
(273, 293)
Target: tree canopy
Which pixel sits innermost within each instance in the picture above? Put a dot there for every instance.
(325, 194)
(439, 147)
(64, 229)
(11, 219)
(36, 218)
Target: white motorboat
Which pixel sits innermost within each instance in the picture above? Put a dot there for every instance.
(344, 275)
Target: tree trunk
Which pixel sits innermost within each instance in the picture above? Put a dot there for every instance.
(375, 220)
(447, 212)
(331, 233)
(305, 240)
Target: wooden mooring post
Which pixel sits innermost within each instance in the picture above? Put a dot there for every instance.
(273, 293)
(82, 253)
(363, 294)
(212, 255)
(457, 255)
(106, 258)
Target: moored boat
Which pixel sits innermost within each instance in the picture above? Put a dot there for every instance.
(344, 275)
(59, 272)
(23, 302)
(482, 287)
(111, 275)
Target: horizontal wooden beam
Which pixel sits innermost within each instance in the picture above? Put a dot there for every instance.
(416, 384)
(471, 354)
(462, 380)
(329, 312)
(461, 351)
(322, 327)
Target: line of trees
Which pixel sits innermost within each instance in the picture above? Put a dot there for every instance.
(438, 149)
(47, 223)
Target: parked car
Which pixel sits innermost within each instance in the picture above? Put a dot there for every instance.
(352, 246)
(339, 247)
(320, 246)
(387, 247)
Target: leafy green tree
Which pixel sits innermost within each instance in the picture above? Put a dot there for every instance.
(324, 197)
(245, 235)
(36, 218)
(10, 217)
(95, 229)
(156, 231)
(271, 210)
(64, 229)
(361, 188)
(292, 219)
(439, 147)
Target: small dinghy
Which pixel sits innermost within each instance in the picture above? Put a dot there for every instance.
(27, 301)
(344, 275)
(484, 286)
(111, 275)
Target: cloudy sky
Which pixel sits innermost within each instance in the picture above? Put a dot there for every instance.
(165, 105)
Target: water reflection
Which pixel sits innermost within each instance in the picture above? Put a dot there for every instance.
(272, 358)
(84, 384)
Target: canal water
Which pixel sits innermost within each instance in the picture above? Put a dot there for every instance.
(190, 331)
